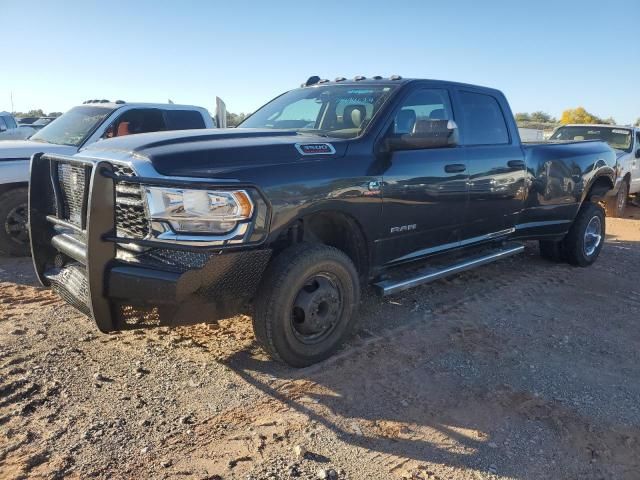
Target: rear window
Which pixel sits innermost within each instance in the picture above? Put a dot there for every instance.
(620, 138)
(184, 120)
(483, 120)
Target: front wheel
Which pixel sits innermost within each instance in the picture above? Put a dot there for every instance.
(14, 231)
(615, 206)
(585, 239)
(306, 304)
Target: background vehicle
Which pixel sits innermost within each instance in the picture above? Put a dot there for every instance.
(81, 126)
(40, 123)
(26, 120)
(626, 142)
(9, 129)
(326, 188)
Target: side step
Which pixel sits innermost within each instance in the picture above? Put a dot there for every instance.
(432, 273)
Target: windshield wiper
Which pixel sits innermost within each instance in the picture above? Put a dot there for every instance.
(315, 133)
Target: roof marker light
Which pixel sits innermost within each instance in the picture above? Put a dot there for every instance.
(357, 78)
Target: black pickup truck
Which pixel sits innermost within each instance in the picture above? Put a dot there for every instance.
(328, 188)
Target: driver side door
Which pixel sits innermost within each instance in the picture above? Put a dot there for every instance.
(424, 190)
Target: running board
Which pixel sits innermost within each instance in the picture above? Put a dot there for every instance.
(430, 274)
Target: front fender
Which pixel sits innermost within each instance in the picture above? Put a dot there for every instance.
(14, 171)
(600, 181)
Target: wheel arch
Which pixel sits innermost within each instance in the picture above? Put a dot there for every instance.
(598, 188)
(7, 187)
(329, 227)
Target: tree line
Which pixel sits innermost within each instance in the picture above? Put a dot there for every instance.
(36, 113)
(542, 120)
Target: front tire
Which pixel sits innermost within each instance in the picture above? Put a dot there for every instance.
(306, 304)
(615, 206)
(585, 239)
(14, 232)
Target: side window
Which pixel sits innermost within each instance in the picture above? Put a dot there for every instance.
(426, 110)
(11, 123)
(137, 121)
(483, 120)
(638, 140)
(3, 126)
(183, 119)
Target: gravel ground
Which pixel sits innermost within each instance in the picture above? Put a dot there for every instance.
(523, 369)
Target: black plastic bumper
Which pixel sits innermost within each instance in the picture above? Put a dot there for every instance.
(82, 264)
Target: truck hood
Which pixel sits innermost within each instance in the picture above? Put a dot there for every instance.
(23, 149)
(217, 152)
(620, 153)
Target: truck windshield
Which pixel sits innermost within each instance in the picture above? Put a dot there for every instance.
(342, 111)
(619, 138)
(73, 127)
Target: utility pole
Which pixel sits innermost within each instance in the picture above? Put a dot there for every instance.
(12, 110)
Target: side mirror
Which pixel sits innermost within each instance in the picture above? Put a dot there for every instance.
(426, 134)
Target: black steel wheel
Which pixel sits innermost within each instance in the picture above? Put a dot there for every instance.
(306, 303)
(14, 229)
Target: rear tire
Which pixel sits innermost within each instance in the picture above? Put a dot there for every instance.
(14, 232)
(552, 250)
(306, 304)
(615, 206)
(585, 239)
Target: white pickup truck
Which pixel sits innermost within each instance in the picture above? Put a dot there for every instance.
(11, 130)
(79, 127)
(626, 143)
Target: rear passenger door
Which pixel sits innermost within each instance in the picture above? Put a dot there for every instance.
(496, 166)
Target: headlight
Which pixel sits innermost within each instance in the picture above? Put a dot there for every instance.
(199, 211)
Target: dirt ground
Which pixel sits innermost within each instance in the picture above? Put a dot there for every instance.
(523, 369)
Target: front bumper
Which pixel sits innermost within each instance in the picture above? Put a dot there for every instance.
(89, 266)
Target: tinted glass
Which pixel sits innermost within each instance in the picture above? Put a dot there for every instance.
(73, 127)
(11, 123)
(342, 111)
(3, 126)
(423, 111)
(183, 119)
(134, 121)
(483, 120)
(619, 138)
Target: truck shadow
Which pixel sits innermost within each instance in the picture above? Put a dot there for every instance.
(446, 388)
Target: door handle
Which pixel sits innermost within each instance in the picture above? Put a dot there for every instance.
(516, 164)
(455, 168)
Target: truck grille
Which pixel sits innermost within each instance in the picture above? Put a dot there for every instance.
(73, 183)
(131, 218)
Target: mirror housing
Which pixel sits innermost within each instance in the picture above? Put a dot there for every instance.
(426, 134)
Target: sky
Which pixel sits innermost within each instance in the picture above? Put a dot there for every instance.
(544, 55)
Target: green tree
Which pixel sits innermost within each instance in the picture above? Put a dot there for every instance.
(522, 117)
(54, 114)
(234, 119)
(609, 121)
(638, 122)
(541, 117)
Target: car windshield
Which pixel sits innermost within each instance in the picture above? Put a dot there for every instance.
(342, 111)
(620, 138)
(73, 127)
(43, 121)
